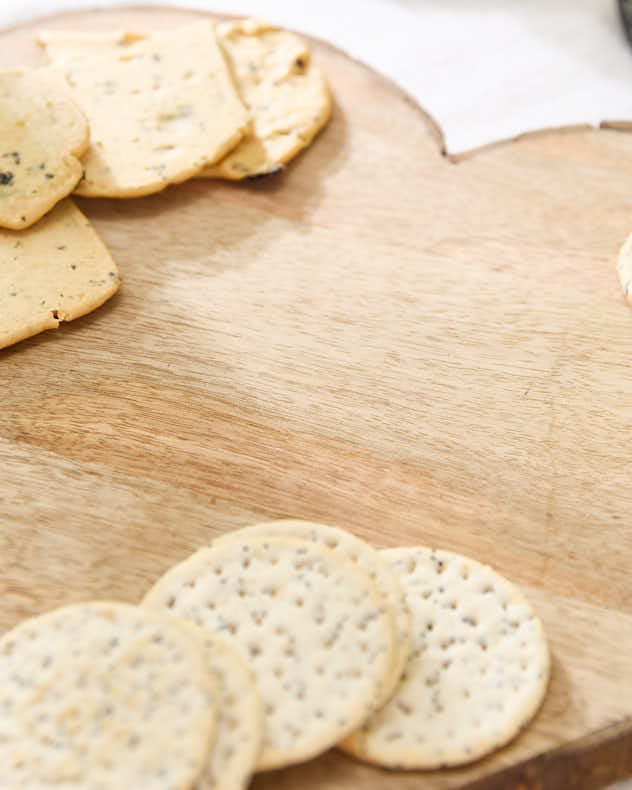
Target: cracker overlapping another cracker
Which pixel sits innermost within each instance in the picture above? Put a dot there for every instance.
(293, 633)
(312, 627)
(285, 93)
(478, 670)
(43, 132)
(368, 560)
(160, 108)
(103, 695)
(240, 714)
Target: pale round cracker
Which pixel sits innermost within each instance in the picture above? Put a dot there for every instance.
(367, 559)
(103, 695)
(286, 94)
(477, 674)
(624, 267)
(160, 107)
(43, 132)
(240, 714)
(311, 625)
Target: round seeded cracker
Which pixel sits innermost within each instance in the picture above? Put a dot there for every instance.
(100, 696)
(368, 559)
(312, 627)
(478, 670)
(240, 715)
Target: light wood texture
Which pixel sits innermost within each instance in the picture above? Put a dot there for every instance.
(420, 350)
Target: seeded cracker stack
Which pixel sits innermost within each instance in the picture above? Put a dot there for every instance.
(263, 650)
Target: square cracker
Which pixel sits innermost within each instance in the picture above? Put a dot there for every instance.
(42, 134)
(57, 270)
(160, 108)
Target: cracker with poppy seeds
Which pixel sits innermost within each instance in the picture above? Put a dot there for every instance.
(240, 714)
(160, 107)
(310, 624)
(478, 670)
(43, 132)
(104, 695)
(368, 559)
(57, 270)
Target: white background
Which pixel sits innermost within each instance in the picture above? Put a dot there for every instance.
(485, 69)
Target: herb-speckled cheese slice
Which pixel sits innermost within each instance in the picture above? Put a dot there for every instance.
(478, 670)
(42, 134)
(57, 270)
(310, 624)
(160, 108)
(103, 695)
(368, 559)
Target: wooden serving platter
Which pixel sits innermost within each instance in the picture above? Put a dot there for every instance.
(423, 350)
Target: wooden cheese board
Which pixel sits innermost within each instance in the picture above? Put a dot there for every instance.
(420, 348)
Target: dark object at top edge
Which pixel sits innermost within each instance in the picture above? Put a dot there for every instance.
(625, 9)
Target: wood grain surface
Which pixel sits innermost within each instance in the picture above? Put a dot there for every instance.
(422, 350)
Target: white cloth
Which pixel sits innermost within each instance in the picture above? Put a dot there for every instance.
(485, 69)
